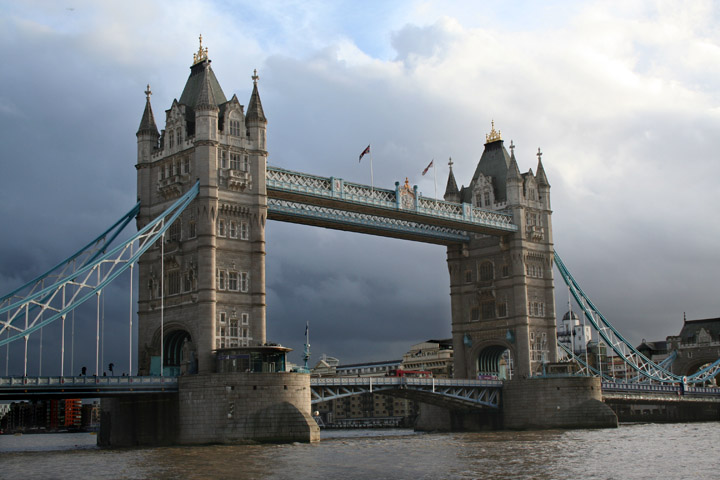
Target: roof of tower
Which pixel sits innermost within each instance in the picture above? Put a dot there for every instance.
(493, 163)
(147, 123)
(255, 111)
(206, 96)
(202, 81)
(567, 315)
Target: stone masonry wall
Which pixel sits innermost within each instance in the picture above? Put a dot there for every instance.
(235, 407)
(568, 402)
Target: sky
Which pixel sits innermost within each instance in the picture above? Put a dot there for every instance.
(623, 98)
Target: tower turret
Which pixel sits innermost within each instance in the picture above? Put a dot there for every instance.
(255, 118)
(452, 194)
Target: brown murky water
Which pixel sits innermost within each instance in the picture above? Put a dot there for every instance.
(673, 451)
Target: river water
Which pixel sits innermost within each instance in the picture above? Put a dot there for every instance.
(643, 451)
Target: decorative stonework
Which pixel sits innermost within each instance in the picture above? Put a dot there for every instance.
(407, 196)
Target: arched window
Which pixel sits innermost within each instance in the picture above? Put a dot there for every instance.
(486, 271)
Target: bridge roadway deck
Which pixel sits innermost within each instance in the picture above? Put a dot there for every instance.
(29, 388)
(333, 203)
(457, 391)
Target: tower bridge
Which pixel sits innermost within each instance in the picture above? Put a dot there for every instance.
(205, 194)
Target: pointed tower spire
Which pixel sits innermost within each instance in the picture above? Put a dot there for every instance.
(147, 123)
(540, 175)
(255, 111)
(452, 194)
(513, 169)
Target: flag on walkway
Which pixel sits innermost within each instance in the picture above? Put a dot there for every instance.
(428, 167)
(367, 150)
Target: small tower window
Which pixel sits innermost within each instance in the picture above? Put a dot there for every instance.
(486, 272)
(244, 231)
(221, 228)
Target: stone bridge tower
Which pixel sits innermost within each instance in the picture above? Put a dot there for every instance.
(213, 271)
(502, 293)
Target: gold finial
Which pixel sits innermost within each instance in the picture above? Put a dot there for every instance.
(494, 135)
(255, 77)
(148, 92)
(407, 184)
(201, 54)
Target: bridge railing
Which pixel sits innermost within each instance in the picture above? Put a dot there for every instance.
(408, 201)
(53, 382)
(652, 388)
(383, 381)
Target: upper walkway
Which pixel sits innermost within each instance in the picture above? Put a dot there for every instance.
(401, 213)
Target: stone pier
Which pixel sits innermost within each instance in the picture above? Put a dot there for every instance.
(214, 408)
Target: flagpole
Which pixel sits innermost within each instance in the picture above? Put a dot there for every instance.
(372, 182)
(435, 175)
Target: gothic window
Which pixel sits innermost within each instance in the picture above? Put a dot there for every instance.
(475, 313)
(223, 159)
(162, 172)
(244, 231)
(233, 281)
(175, 231)
(192, 228)
(171, 139)
(179, 135)
(234, 161)
(186, 165)
(245, 163)
(175, 168)
(488, 310)
(235, 128)
(486, 271)
(502, 309)
(221, 280)
(233, 331)
(244, 282)
(505, 271)
(468, 276)
(233, 229)
(167, 171)
(221, 228)
(173, 282)
(486, 198)
(245, 318)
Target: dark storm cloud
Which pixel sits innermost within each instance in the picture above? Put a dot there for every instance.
(630, 151)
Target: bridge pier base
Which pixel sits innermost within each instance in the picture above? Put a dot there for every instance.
(214, 408)
(561, 402)
(433, 418)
